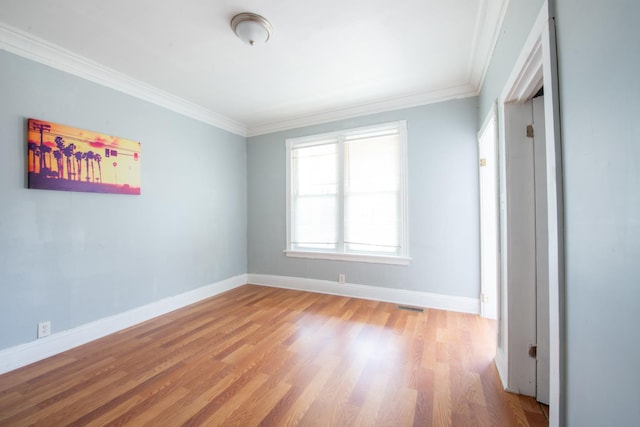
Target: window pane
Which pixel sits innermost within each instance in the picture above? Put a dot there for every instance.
(372, 165)
(315, 169)
(372, 190)
(314, 222)
(371, 223)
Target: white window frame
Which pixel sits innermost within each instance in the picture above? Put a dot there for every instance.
(339, 254)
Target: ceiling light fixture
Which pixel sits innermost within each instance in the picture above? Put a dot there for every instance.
(251, 28)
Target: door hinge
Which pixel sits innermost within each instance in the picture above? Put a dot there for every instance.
(483, 163)
(529, 131)
(533, 351)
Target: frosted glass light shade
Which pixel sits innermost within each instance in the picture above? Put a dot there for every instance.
(251, 28)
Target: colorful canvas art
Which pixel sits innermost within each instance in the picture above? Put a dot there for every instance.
(69, 159)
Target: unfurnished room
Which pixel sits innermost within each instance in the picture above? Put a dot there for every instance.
(336, 213)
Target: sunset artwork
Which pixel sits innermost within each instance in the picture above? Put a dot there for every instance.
(69, 159)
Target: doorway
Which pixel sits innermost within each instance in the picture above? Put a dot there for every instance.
(524, 218)
(517, 318)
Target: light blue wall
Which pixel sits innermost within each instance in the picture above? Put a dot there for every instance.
(73, 258)
(443, 204)
(599, 66)
(518, 21)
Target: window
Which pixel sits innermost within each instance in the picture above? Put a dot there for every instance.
(347, 195)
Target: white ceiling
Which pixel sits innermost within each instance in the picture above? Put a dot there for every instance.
(326, 59)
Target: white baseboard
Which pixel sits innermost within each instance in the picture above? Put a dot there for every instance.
(25, 354)
(397, 296)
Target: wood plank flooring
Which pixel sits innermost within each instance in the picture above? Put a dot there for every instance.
(258, 356)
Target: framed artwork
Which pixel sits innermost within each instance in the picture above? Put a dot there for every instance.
(69, 159)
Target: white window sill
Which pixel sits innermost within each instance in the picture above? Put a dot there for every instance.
(377, 259)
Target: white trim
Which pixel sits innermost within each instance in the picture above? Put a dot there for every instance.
(375, 293)
(555, 209)
(529, 60)
(375, 259)
(489, 308)
(332, 137)
(39, 50)
(529, 80)
(477, 31)
(492, 116)
(391, 104)
(25, 354)
(31, 352)
(477, 70)
(501, 366)
(404, 189)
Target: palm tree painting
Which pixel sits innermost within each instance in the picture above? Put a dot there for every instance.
(78, 156)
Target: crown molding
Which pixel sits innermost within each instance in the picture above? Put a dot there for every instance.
(39, 50)
(483, 45)
(380, 106)
(36, 49)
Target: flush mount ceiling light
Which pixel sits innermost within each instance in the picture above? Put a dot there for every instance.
(251, 28)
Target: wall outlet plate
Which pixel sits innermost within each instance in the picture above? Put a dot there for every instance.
(340, 278)
(44, 329)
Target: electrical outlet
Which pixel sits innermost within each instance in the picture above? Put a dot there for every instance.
(44, 329)
(340, 278)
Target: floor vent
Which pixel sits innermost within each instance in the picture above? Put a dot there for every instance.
(406, 307)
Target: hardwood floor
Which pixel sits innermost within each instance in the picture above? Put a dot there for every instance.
(274, 357)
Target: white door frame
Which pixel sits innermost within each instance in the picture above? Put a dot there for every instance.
(542, 248)
(537, 65)
(489, 224)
